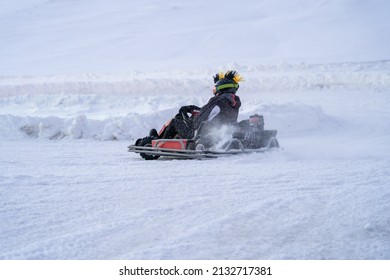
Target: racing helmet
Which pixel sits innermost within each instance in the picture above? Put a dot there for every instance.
(227, 82)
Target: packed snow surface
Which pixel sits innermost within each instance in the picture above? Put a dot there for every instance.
(81, 80)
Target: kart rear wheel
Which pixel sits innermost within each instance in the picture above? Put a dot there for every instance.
(273, 143)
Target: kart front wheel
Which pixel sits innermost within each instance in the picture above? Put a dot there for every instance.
(146, 142)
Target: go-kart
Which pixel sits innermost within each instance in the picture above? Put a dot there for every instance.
(209, 141)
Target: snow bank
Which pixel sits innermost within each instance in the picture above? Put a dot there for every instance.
(126, 106)
(80, 127)
(290, 118)
(370, 76)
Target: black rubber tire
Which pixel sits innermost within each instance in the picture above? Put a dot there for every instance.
(146, 142)
(273, 143)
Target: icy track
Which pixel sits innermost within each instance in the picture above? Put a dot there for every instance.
(65, 194)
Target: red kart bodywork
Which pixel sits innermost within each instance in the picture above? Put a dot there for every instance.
(174, 144)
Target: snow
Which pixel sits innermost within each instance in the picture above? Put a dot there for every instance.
(51, 37)
(81, 80)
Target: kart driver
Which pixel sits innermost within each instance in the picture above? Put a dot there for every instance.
(221, 109)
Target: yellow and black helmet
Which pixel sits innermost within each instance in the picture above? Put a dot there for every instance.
(227, 82)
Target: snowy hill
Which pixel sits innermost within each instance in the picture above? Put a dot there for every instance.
(76, 76)
(50, 37)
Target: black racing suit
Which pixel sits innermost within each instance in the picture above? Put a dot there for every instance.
(219, 110)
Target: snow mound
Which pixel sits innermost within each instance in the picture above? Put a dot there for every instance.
(289, 118)
(80, 127)
(126, 106)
